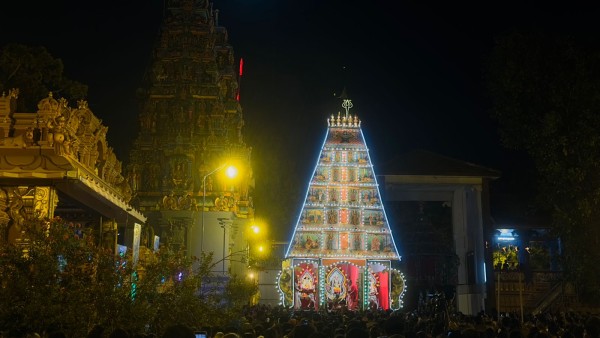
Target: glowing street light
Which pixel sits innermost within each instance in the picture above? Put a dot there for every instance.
(255, 233)
(231, 172)
(261, 249)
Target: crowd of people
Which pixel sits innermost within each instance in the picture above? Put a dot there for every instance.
(262, 321)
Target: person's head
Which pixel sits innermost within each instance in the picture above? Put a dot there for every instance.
(394, 324)
(375, 331)
(96, 332)
(469, 333)
(270, 333)
(178, 331)
(303, 330)
(319, 335)
(592, 327)
(57, 334)
(357, 332)
(516, 333)
(119, 333)
(231, 335)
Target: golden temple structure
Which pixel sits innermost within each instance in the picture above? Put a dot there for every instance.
(56, 162)
(172, 191)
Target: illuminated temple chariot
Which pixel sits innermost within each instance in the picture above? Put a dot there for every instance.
(342, 254)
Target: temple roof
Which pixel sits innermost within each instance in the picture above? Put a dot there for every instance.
(71, 154)
(426, 163)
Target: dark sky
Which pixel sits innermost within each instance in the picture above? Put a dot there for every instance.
(412, 68)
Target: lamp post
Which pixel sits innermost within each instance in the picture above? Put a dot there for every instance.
(223, 225)
(223, 249)
(252, 235)
(231, 172)
(224, 222)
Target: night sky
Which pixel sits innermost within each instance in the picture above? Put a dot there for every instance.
(413, 69)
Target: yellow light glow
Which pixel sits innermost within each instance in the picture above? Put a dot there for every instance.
(256, 230)
(262, 249)
(231, 171)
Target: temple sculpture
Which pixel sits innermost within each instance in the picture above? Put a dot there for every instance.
(56, 162)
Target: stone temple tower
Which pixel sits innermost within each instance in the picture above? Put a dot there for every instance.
(190, 128)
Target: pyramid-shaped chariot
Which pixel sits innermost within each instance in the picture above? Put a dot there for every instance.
(342, 254)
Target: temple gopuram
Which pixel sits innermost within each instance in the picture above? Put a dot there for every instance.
(56, 162)
(190, 128)
(342, 254)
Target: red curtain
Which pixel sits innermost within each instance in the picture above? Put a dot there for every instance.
(384, 291)
(352, 273)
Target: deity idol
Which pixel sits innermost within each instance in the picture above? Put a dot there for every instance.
(306, 290)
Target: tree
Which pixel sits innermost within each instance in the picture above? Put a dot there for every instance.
(59, 278)
(506, 258)
(545, 96)
(35, 73)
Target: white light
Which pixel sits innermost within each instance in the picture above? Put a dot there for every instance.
(231, 171)
(484, 274)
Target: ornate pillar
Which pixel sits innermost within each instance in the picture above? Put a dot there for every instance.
(109, 235)
(44, 202)
(7, 108)
(25, 203)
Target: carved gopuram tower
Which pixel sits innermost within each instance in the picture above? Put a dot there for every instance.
(342, 254)
(190, 128)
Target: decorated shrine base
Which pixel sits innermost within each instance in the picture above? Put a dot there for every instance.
(331, 284)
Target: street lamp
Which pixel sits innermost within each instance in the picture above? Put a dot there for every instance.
(252, 235)
(231, 172)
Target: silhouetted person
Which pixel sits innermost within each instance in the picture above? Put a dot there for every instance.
(96, 331)
(178, 331)
(592, 327)
(119, 333)
(57, 334)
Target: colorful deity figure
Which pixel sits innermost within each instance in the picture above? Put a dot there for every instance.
(305, 292)
(335, 287)
(373, 292)
(330, 241)
(375, 244)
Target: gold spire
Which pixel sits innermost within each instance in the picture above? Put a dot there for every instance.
(347, 121)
